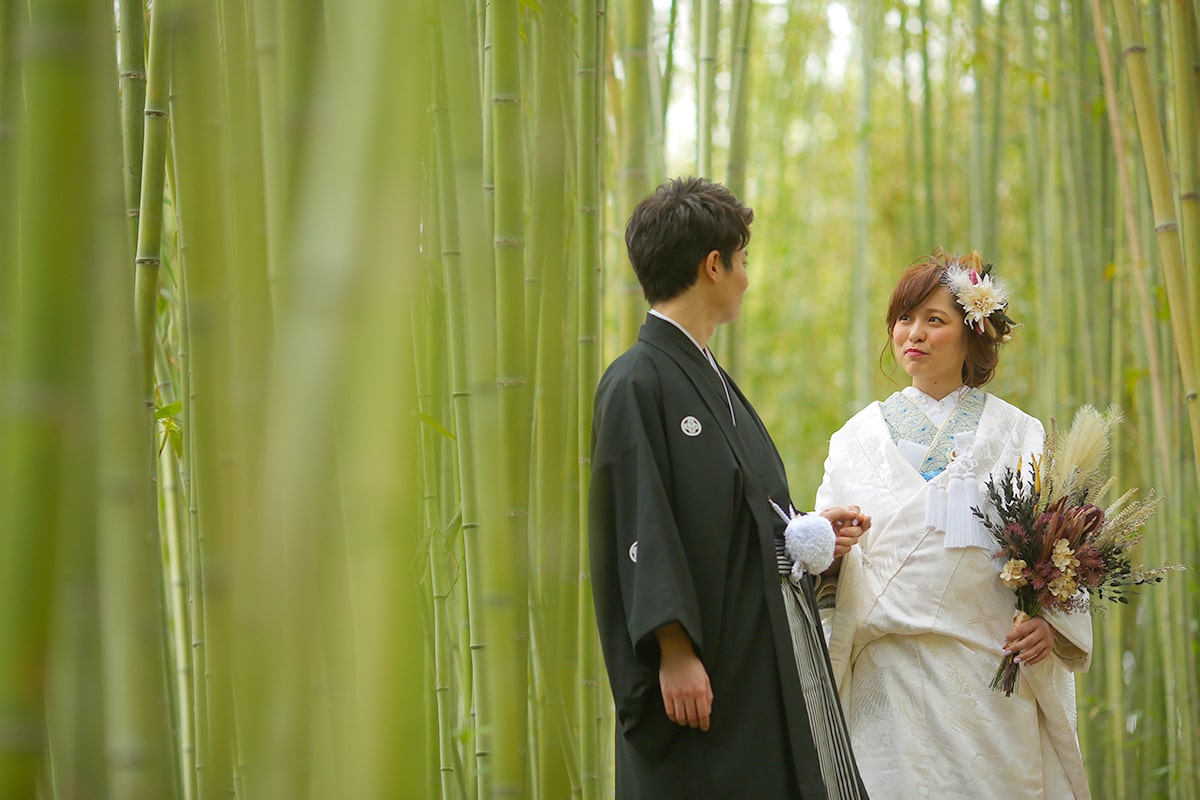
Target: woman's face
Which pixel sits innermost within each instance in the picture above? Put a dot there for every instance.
(930, 343)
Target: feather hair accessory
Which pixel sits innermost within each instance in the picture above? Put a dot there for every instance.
(978, 293)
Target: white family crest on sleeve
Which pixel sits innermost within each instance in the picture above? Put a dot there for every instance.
(633, 552)
(690, 426)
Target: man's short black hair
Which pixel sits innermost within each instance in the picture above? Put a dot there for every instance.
(672, 230)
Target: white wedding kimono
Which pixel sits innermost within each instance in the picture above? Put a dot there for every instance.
(918, 629)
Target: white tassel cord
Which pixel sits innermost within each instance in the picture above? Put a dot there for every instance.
(809, 541)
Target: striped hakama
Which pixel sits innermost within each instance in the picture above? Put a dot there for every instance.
(829, 733)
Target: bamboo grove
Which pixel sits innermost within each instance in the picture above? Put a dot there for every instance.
(302, 305)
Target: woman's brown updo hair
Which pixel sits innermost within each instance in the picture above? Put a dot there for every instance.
(928, 273)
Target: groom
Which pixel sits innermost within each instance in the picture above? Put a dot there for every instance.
(686, 565)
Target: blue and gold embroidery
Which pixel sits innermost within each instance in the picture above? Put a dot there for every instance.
(906, 420)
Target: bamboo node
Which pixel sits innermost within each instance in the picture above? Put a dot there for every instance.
(154, 113)
(517, 513)
(150, 261)
(1166, 227)
(508, 242)
(133, 75)
(1190, 397)
(133, 212)
(503, 99)
(510, 383)
(1134, 48)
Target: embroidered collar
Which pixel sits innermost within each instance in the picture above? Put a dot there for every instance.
(938, 411)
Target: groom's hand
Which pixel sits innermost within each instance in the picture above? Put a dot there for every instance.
(687, 693)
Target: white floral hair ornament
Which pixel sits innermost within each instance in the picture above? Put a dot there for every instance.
(978, 293)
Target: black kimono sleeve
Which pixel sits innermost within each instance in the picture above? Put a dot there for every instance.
(641, 579)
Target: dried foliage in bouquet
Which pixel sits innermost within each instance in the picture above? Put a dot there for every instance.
(1059, 547)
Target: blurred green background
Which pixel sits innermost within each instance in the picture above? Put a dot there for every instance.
(302, 305)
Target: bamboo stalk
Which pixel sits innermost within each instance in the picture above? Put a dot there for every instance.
(128, 552)
(706, 75)
(475, 276)
(861, 260)
(994, 155)
(270, 93)
(1183, 323)
(739, 114)
(634, 115)
(930, 226)
(1186, 83)
(44, 419)
(976, 186)
(668, 63)
(153, 160)
(589, 39)
(202, 222)
(173, 528)
(131, 47)
(454, 125)
(505, 554)
(376, 444)
(552, 532)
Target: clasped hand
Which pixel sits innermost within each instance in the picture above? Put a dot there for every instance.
(849, 524)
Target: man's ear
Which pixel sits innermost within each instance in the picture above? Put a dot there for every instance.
(710, 267)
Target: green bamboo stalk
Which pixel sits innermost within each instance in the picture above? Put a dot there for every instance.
(10, 89)
(377, 442)
(173, 527)
(994, 154)
(1184, 324)
(634, 122)
(552, 532)
(268, 665)
(298, 49)
(431, 354)
(589, 45)
(270, 93)
(976, 187)
(153, 159)
(201, 207)
(131, 47)
(128, 550)
(1078, 190)
(860, 267)
(505, 555)
(739, 88)
(44, 416)
(480, 450)
(930, 227)
(460, 176)
(1146, 303)
(706, 75)
(1186, 84)
(739, 114)
(909, 212)
(195, 554)
(1034, 172)
(668, 63)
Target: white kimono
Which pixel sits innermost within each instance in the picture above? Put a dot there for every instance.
(918, 629)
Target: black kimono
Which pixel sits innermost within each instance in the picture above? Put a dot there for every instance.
(682, 529)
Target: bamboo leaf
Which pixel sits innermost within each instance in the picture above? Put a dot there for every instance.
(437, 426)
